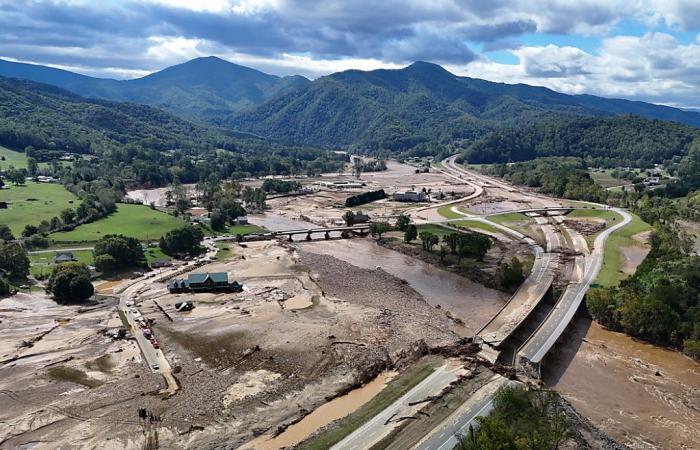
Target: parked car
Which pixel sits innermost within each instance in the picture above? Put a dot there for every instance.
(155, 343)
(155, 366)
(147, 332)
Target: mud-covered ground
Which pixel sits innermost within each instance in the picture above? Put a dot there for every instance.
(306, 328)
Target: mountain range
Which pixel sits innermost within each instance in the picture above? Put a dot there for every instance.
(379, 110)
(205, 89)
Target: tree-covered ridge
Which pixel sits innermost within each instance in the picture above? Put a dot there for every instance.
(206, 89)
(561, 177)
(607, 141)
(397, 110)
(137, 144)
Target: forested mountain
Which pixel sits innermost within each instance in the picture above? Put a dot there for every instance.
(396, 109)
(606, 141)
(136, 143)
(206, 89)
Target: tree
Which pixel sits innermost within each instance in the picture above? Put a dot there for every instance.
(442, 252)
(105, 263)
(13, 260)
(32, 166)
(182, 241)
(217, 220)
(70, 282)
(6, 233)
(410, 234)
(29, 230)
(68, 216)
(37, 241)
(4, 287)
(357, 166)
(451, 240)
(125, 251)
(349, 218)
(429, 240)
(16, 176)
(510, 274)
(379, 228)
(402, 222)
(56, 223)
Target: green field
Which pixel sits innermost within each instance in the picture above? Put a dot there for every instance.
(475, 224)
(136, 221)
(605, 178)
(446, 212)
(508, 217)
(34, 202)
(245, 229)
(435, 229)
(42, 263)
(18, 160)
(610, 274)
(153, 253)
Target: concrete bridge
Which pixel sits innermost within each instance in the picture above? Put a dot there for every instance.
(325, 231)
(361, 229)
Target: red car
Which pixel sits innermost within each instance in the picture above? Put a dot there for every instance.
(155, 343)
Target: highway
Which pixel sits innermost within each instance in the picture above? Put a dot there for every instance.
(558, 319)
(587, 268)
(381, 425)
(445, 435)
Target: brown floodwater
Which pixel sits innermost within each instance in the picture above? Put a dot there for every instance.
(642, 395)
(470, 301)
(322, 416)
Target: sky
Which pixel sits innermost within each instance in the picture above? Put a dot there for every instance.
(637, 49)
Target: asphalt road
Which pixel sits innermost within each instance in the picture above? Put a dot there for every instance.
(558, 319)
(445, 436)
(376, 428)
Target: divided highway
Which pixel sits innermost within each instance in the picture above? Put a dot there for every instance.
(544, 338)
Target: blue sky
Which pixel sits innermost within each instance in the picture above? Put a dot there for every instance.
(638, 49)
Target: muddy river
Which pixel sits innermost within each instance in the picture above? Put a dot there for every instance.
(470, 301)
(644, 396)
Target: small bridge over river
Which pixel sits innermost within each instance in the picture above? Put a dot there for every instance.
(308, 233)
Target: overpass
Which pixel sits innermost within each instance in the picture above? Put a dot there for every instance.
(530, 355)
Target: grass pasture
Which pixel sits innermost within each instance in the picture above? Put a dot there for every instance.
(32, 203)
(137, 221)
(610, 273)
(605, 179)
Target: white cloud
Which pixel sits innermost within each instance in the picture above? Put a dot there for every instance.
(654, 67)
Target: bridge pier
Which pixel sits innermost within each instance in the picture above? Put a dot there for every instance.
(290, 238)
(308, 236)
(327, 235)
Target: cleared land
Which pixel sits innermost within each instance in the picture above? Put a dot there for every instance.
(18, 160)
(605, 179)
(136, 221)
(32, 203)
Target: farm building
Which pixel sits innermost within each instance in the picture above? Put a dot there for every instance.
(204, 282)
(409, 196)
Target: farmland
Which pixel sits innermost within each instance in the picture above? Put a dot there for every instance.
(32, 203)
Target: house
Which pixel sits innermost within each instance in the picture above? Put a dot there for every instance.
(63, 257)
(409, 196)
(242, 220)
(162, 262)
(204, 282)
(360, 217)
